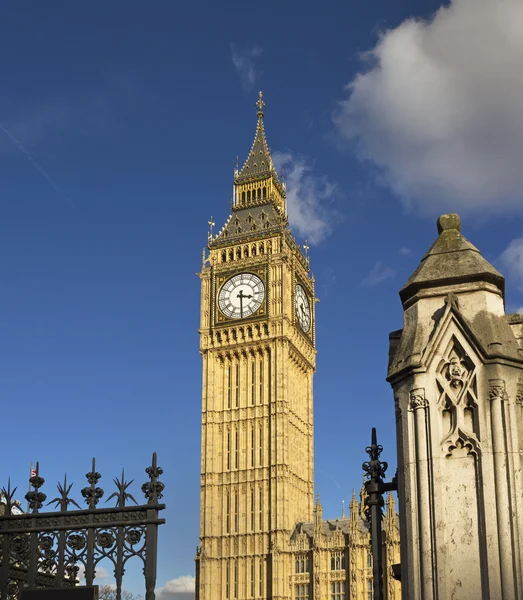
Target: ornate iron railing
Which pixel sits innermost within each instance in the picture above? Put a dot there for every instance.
(46, 549)
(375, 487)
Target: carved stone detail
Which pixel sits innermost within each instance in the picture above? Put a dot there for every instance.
(455, 372)
(496, 389)
(519, 391)
(417, 399)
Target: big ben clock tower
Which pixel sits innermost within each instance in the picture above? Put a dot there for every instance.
(257, 345)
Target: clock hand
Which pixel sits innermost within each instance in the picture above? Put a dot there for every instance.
(241, 296)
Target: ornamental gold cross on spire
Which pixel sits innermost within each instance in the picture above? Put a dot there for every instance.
(257, 182)
(260, 103)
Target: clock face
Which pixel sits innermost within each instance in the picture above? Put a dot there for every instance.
(303, 309)
(241, 296)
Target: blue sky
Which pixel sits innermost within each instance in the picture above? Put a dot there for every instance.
(120, 124)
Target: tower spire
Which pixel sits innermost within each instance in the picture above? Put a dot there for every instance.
(257, 181)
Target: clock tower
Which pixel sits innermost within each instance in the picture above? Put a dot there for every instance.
(257, 345)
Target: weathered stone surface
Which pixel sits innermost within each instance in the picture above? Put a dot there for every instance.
(461, 494)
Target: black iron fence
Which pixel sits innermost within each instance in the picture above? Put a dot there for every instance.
(47, 549)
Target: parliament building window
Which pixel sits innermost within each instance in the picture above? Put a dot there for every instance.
(302, 563)
(302, 591)
(370, 593)
(338, 590)
(338, 561)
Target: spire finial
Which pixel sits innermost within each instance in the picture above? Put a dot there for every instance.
(343, 509)
(211, 224)
(260, 104)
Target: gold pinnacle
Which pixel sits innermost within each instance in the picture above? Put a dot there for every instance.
(260, 103)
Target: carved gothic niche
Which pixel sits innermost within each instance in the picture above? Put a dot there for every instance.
(456, 369)
(457, 388)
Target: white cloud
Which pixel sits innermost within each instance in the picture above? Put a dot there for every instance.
(101, 573)
(243, 61)
(308, 197)
(404, 251)
(439, 109)
(512, 259)
(180, 588)
(378, 274)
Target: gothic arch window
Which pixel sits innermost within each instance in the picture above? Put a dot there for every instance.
(248, 195)
(260, 508)
(262, 248)
(259, 194)
(338, 561)
(252, 504)
(237, 450)
(228, 451)
(245, 251)
(260, 449)
(243, 197)
(224, 256)
(302, 591)
(236, 511)
(253, 250)
(260, 395)
(238, 253)
(229, 386)
(253, 440)
(338, 590)
(228, 512)
(265, 192)
(253, 382)
(231, 254)
(237, 386)
(302, 563)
